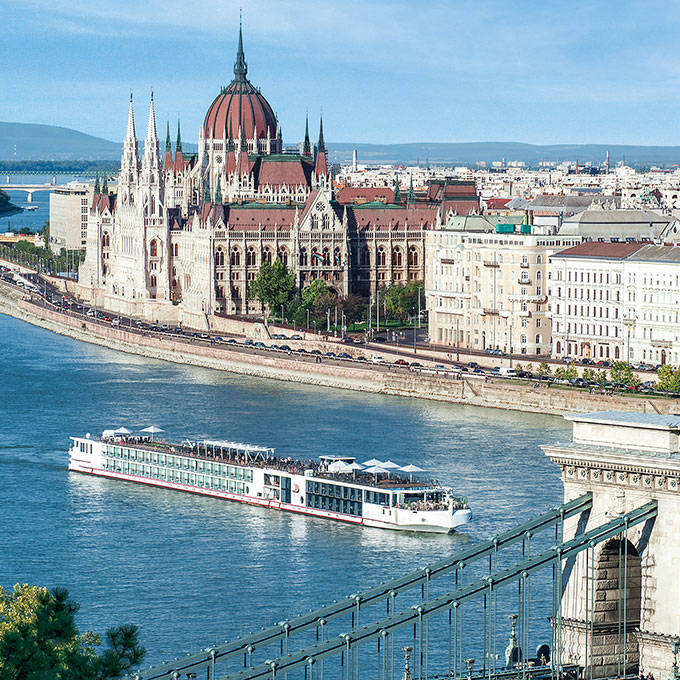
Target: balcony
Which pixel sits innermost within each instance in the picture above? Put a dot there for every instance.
(489, 310)
(524, 282)
(524, 265)
(491, 263)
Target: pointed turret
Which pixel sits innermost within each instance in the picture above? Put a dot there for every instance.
(411, 196)
(105, 186)
(97, 188)
(179, 156)
(396, 197)
(240, 65)
(321, 166)
(167, 160)
(206, 191)
(129, 163)
(306, 147)
(218, 192)
(151, 160)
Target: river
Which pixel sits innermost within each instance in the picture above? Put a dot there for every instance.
(190, 570)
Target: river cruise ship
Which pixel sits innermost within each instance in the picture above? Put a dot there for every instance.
(334, 487)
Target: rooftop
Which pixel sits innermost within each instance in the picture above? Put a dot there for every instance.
(600, 249)
(656, 421)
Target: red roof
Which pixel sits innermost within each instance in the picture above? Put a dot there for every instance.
(391, 217)
(239, 109)
(349, 194)
(604, 249)
(274, 172)
(496, 203)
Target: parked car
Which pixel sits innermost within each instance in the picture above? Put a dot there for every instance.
(249, 342)
(330, 355)
(260, 345)
(296, 337)
(344, 355)
(415, 364)
(440, 367)
(377, 359)
(231, 341)
(400, 362)
(286, 348)
(473, 364)
(361, 358)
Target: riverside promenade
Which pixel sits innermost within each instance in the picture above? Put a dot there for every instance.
(381, 379)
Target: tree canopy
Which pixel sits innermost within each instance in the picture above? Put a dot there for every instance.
(401, 302)
(39, 640)
(274, 285)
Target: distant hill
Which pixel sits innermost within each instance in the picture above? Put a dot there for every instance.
(49, 142)
(463, 153)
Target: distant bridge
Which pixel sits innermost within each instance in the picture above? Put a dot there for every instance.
(30, 189)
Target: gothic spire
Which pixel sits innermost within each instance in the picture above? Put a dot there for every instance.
(151, 134)
(230, 142)
(240, 66)
(168, 144)
(218, 192)
(97, 188)
(206, 190)
(396, 197)
(178, 146)
(411, 196)
(306, 147)
(105, 186)
(130, 131)
(321, 148)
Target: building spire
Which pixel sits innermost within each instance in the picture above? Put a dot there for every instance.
(151, 134)
(105, 186)
(97, 189)
(411, 196)
(240, 65)
(321, 148)
(130, 131)
(206, 190)
(396, 197)
(168, 144)
(178, 146)
(306, 147)
(218, 192)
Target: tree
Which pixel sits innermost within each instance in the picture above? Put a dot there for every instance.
(402, 301)
(274, 285)
(543, 369)
(621, 372)
(668, 379)
(601, 377)
(588, 375)
(353, 306)
(39, 639)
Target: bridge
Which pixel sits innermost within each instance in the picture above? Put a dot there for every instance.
(590, 585)
(30, 189)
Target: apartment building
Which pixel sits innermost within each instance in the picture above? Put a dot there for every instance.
(69, 211)
(486, 284)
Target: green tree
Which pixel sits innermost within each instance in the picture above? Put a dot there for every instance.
(544, 369)
(601, 377)
(588, 375)
(621, 372)
(570, 372)
(353, 306)
(668, 379)
(39, 640)
(273, 286)
(401, 302)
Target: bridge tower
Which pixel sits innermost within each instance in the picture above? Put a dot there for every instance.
(620, 607)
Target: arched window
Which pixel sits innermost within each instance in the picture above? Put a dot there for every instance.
(381, 257)
(303, 257)
(153, 281)
(315, 222)
(539, 259)
(337, 258)
(326, 257)
(153, 248)
(267, 256)
(538, 339)
(365, 257)
(396, 257)
(283, 256)
(235, 257)
(558, 347)
(106, 240)
(219, 257)
(316, 257)
(250, 257)
(523, 339)
(413, 257)
(325, 222)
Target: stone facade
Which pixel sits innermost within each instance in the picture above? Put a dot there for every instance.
(626, 460)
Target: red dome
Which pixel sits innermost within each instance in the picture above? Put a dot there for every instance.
(239, 109)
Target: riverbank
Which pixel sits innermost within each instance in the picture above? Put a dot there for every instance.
(303, 369)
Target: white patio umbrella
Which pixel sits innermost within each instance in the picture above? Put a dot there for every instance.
(373, 461)
(152, 430)
(121, 430)
(410, 468)
(356, 466)
(339, 466)
(389, 465)
(376, 469)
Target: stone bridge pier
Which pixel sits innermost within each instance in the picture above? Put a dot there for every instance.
(620, 605)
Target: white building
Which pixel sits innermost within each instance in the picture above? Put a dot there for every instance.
(616, 301)
(69, 210)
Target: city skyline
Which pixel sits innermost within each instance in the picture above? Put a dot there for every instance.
(459, 72)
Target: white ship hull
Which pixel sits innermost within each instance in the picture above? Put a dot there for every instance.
(96, 460)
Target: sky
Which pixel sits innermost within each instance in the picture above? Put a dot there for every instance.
(381, 71)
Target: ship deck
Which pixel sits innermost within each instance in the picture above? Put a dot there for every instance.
(253, 456)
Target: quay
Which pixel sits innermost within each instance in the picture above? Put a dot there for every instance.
(293, 367)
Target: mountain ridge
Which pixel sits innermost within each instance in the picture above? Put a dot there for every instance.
(33, 141)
